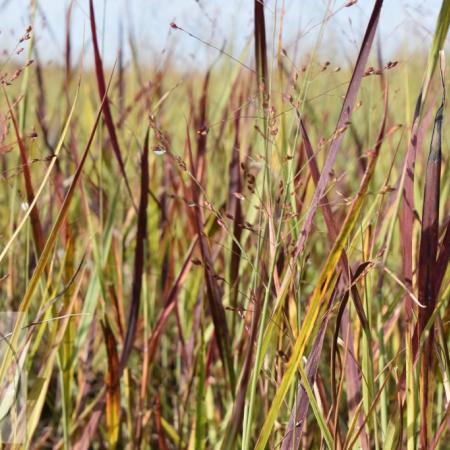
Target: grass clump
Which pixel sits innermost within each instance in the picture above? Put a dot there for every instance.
(228, 259)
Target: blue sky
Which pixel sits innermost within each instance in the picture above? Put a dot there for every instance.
(403, 23)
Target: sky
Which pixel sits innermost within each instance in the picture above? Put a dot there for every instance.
(221, 23)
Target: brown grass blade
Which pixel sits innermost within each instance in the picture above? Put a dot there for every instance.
(162, 445)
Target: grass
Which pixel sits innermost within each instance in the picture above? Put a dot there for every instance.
(250, 257)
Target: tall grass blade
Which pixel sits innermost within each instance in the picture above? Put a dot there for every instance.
(139, 261)
(102, 93)
(260, 44)
(213, 291)
(429, 242)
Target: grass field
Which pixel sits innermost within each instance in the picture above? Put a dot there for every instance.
(248, 256)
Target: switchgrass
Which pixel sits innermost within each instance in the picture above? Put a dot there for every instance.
(250, 257)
